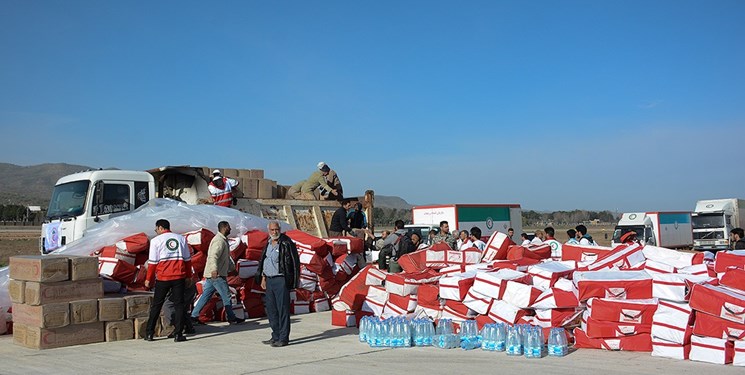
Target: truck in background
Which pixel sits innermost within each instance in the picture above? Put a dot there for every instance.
(665, 229)
(81, 200)
(713, 219)
(489, 218)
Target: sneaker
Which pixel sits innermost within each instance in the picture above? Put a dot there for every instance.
(237, 321)
(278, 344)
(179, 338)
(149, 337)
(268, 342)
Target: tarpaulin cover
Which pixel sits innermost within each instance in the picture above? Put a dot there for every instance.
(183, 218)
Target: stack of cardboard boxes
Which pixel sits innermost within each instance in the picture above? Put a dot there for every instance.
(58, 301)
(252, 183)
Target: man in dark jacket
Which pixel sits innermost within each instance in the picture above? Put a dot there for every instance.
(737, 238)
(339, 223)
(278, 273)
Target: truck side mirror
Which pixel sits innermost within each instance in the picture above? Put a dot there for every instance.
(97, 198)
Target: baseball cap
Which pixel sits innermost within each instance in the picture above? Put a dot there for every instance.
(321, 165)
(216, 171)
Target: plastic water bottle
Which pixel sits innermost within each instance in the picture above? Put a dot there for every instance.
(514, 342)
(557, 343)
(364, 330)
(429, 333)
(534, 348)
(487, 339)
(407, 334)
(500, 337)
(445, 327)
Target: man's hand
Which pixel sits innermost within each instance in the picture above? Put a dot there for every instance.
(263, 283)
(214, 274)
(147, 284)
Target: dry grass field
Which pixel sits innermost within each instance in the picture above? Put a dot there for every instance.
(18, 241)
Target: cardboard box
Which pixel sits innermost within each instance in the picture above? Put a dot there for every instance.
(140, 327)
(229, 172)
(52, 315)
(121, 330)
(267, 189)
(250, 187)
(84, 311)
(111, 309)
(83, 268)
(256, 173)
(46, 338)
(138, 305)
(48, 268)
(17, 289)
(42, 293)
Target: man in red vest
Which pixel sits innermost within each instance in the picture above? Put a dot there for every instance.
(221, 189)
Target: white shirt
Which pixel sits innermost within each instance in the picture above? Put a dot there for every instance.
(464, 245)
(525, 243)
(481, 245)
(536, 241)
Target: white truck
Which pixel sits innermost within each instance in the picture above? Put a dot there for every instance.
(713, 219)
(81, 200)
(665, 229)
(489, 218)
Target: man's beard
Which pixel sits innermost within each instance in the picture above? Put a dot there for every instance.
(274, 236)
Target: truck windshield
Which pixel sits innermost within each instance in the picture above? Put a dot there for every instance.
(68, 200)
(708, 221)
(620, 231)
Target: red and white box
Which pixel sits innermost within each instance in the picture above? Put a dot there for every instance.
(583, 254)
(622, 257)
(634, 343)
(404, 284)
(320, 304)
(471, 255)
(501, 311)
(200, 239)
(554, 317)
(497, 247)
(306, 256)
(308, 280)
(545, 275)
(698, 270)
(399, 305)
(492, 284)
(556, 298)
(672, 258)
(375, 276)
(452, 270)
(439, 258)
(346, 245)
(375, 300)
(654, 267)
(613, 284)
(536, 252)
(456, 311)
(714, 326)
(117, 253)
(718, 301)
(672, 322)
(117, 269)
(711, 350)
(343, 318)
(247, 268)
(431, 313)
(739, 358)
(428, 295)
(300, 307)
(622, 311)
(725, 260)
(520, 295)
(667, 349)
(456, 286)
(733, 278)
(134, 244)
(477, 302)
(603, 329)
(521, 265)
(675, 286)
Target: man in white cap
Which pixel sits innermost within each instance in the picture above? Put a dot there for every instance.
(221, 189)
(304, 189)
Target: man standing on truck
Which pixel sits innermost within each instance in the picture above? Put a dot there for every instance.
(445, 236)
(169, 268)
(221, 189)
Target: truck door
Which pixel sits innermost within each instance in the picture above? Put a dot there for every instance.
(112, 199)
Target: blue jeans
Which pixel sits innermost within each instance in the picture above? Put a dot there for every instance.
(219, 285)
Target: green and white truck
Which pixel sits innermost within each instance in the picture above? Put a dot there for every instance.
(489, 218)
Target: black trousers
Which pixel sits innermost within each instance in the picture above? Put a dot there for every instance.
(176, 287)
(277, 304)
(169, 307)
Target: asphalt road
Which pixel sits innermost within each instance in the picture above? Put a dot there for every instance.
(317, 348)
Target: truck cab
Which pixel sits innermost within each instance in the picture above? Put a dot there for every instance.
(81, 200)
(637, 222)
(713, 220)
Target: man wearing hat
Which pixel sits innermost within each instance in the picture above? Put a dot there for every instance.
(221, 189)
(305, 189)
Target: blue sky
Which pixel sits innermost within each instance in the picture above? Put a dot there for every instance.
(555, 105)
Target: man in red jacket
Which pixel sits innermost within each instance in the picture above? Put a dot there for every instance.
(169, 269)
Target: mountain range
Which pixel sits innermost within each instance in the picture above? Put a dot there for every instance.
(32, 185)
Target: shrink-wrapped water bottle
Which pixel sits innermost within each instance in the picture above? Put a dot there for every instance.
(500, 337)
(514, 342)
(557, 343)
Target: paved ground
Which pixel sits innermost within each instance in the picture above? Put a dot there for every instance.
(317, 348)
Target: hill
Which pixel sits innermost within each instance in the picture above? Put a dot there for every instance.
(387, 201)
(32, 185)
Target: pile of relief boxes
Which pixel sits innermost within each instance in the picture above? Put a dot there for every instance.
(59, 301)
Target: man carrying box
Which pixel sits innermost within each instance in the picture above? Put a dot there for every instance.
(169, 268)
